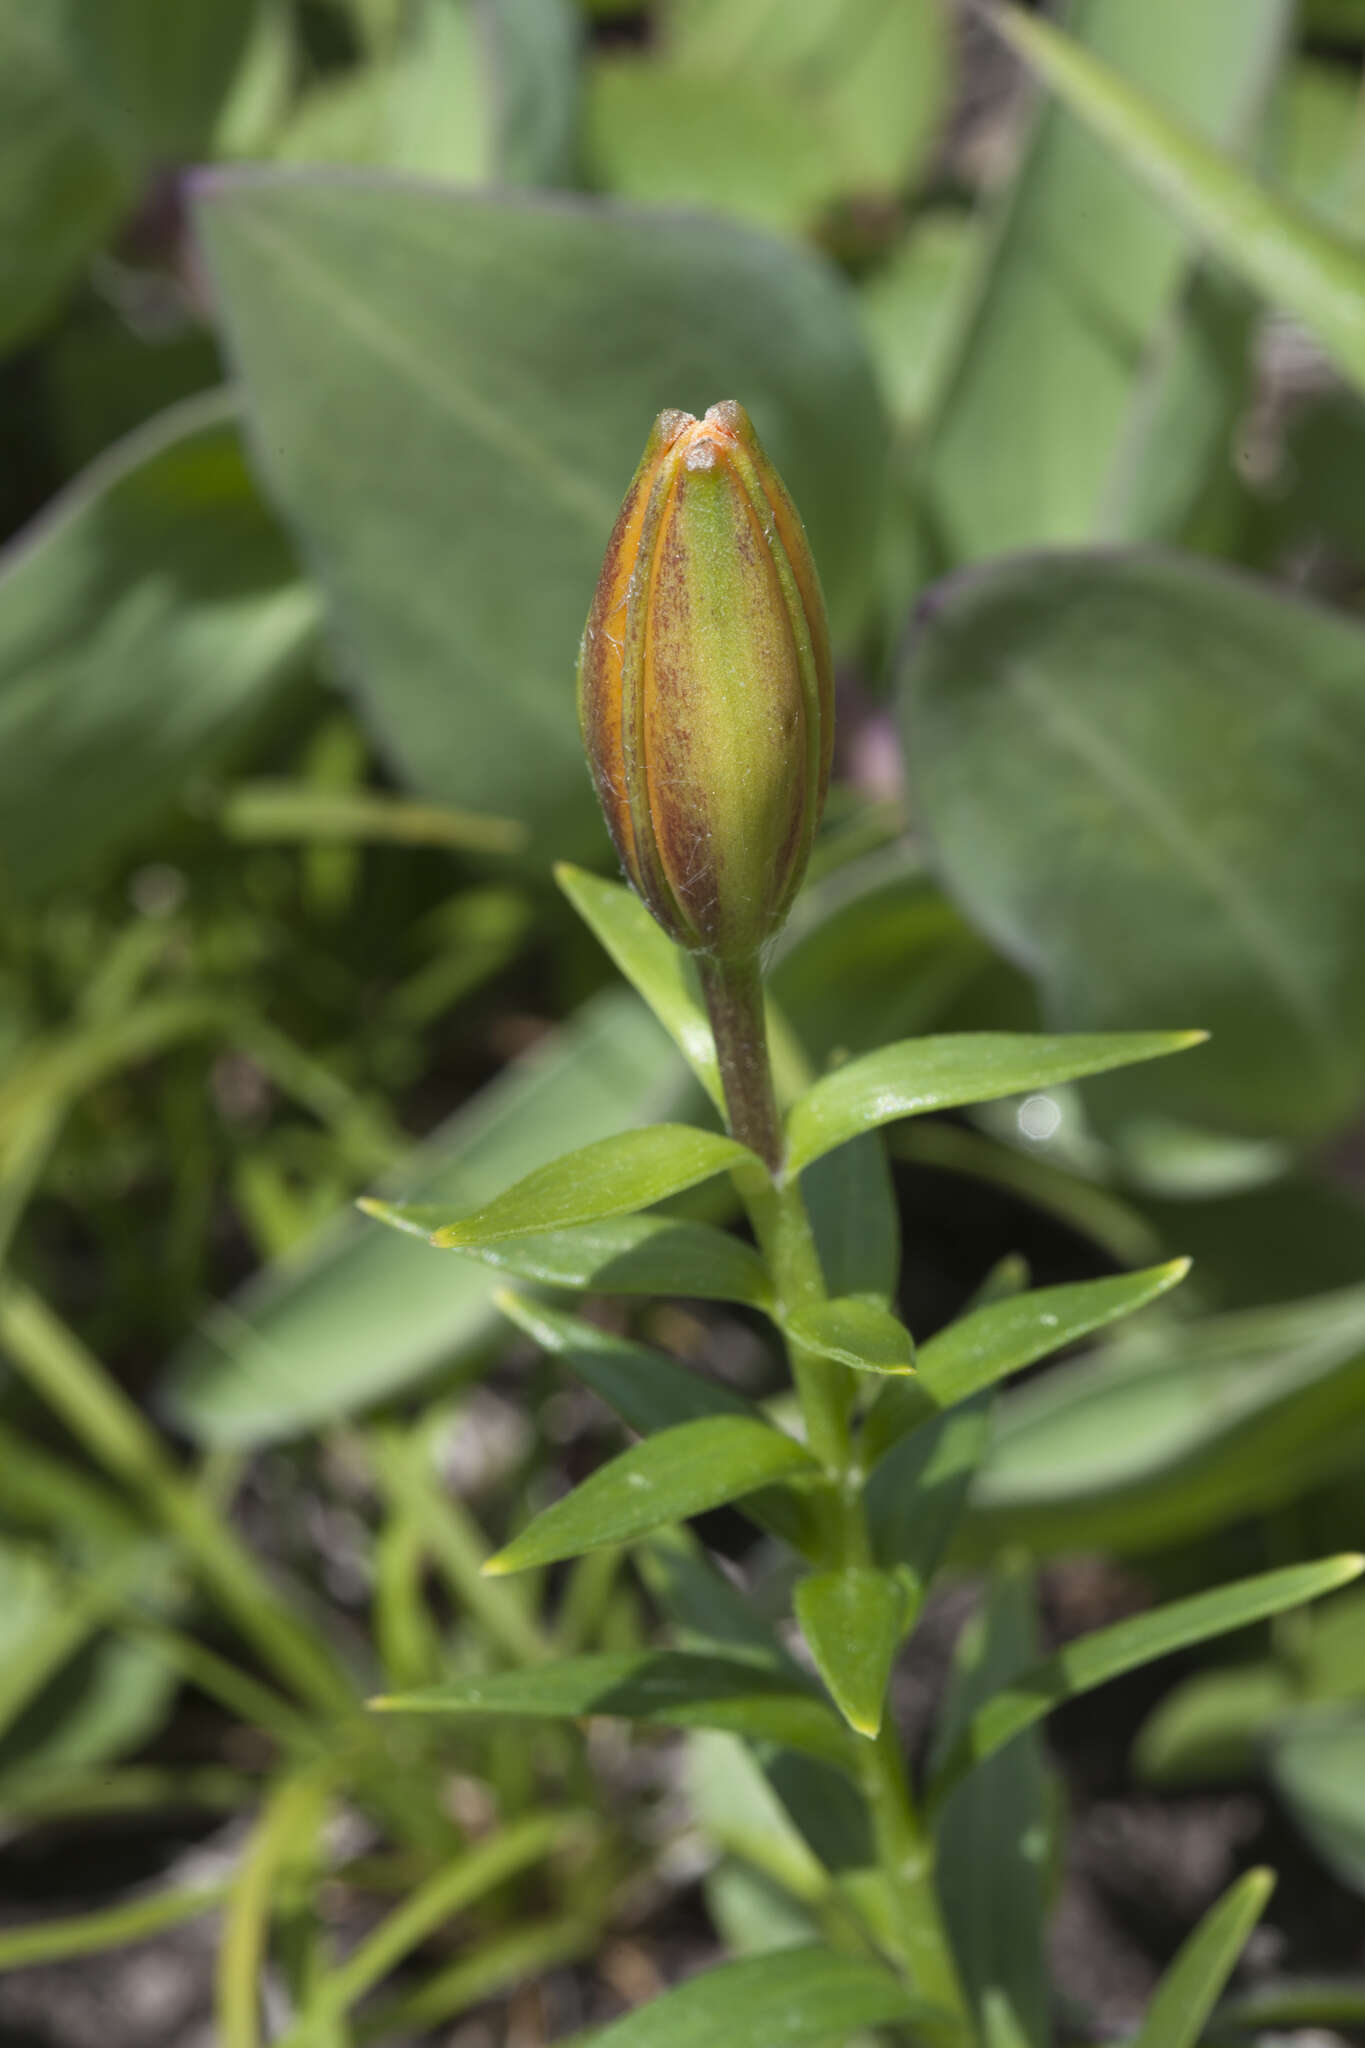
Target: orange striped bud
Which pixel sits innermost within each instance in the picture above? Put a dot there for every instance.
(705, 686)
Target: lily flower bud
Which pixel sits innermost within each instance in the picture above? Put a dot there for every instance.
(705, 686)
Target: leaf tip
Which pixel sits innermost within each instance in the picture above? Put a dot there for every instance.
(1185, 1039)
(498, 1566)
(382, 1703)
(449, 1238)
(868, 1724)
(1173, 1272)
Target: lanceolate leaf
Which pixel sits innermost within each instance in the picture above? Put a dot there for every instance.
(677, 1473)
(922, 1074)
(650, 1391)
(853, 1215)
(608, 1178)
(857, 1332)
(852, 1622)
(1272, 243)
(670, 1688)
(992, 1839)
(991, 1342)
(1091, 1660)
(1188, 1992)
(645, 954)
(785, 2000)
(621, 1255)
(916, 1495)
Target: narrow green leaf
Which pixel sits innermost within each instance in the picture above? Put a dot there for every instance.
(647, 1389)
(650, 1392)
(852, 1622)
(987, 1345)
(1189, 1990)
(1165, 1432)
(1283, 2005)
(917, 1492)
(1214, 1725)
(666, 1688)
(113, 1927)
(857, 1332)
(922, 1074)
(621, 1255)
(272, 807)
(1276, 246)
(659, 970)
(1093, 1659)
(608, 1178)
(785, 2000)
(1047, 422)
(991, 1839)
(680, 1472)
(851, 1202)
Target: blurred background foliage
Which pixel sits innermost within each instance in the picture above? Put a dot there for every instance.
(331, 330)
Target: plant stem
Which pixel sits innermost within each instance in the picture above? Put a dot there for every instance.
(826, 1390)
(734, 1001)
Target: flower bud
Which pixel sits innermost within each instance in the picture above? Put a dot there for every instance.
(705, 687)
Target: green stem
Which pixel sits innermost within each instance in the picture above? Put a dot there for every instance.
(734, 1001)
(826, 1390)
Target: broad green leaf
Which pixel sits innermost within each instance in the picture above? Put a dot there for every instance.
(680, 1472)
(607, 1178)
(63, 187)
(663, 133)
(402, 313)
(851, 1203)
(366, 1311)
(1170, 1432)
(661, 971)
(852, 1622)
(1318, 1767)
(143, 620)
(857, 1332)
(784, 2000)
(158, 75)
(1031, 444)
(1279, 249)
(670, 1688)
(992, 1836)
(1189, 1990)
(1090, 738)
(1092, 1660)
(988, 1344)
(624, 1255)
(916, 1494)
(923, 1074)
(867, 81)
